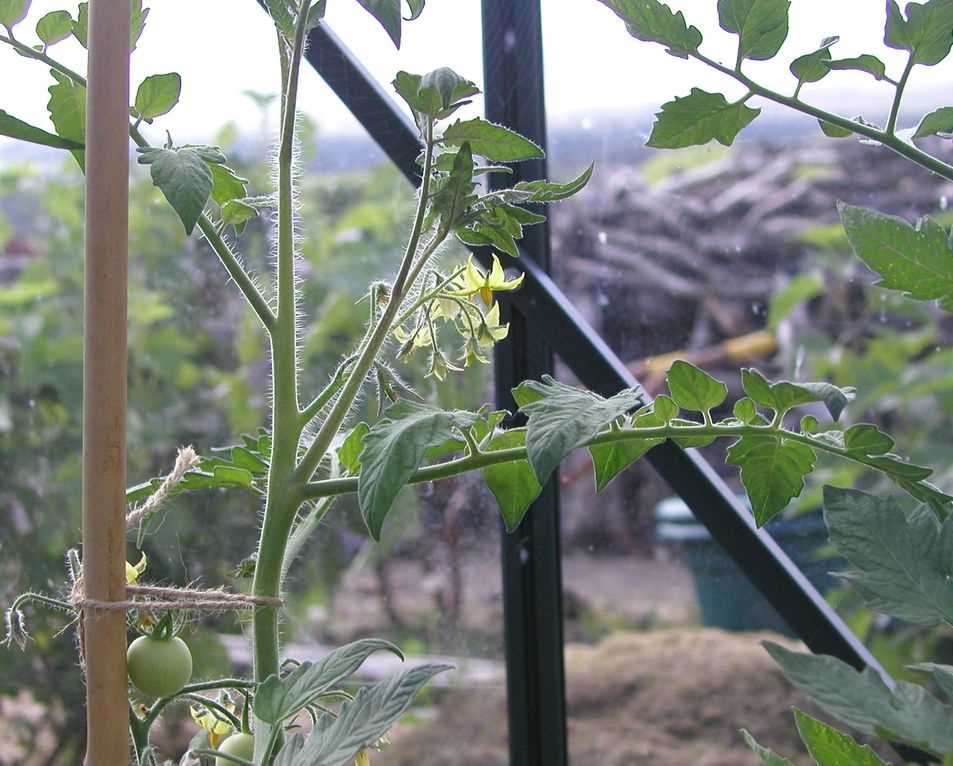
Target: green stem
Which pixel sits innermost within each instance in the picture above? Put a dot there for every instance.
(218, 754)
(428, 296)
(26, 50)
(215, 708)
(283, 500)
(883, 137)
(467, 463)
(223, 683)
(891, 128)
(368, 353)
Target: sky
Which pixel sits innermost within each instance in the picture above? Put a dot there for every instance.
(593, 67)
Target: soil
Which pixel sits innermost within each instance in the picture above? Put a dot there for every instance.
(666, 698)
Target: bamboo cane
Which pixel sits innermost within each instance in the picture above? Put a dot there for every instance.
(104, 379)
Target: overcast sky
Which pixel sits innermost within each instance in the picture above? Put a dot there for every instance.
(222, 47)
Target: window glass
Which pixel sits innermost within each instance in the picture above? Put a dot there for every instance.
(198, 374)
(729, 257)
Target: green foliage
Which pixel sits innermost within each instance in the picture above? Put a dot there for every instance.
(54, 27)
(694, 389)
(866, 62)
(184, 177)
(924, 32)
(772, 471)
(827, 746)
(137, 23)
(814, 67)
(67, 109)
(279, 698)
(12, 127)
(12, 12)
(654, 21)
(495, 142)
(699, 118)
(514, 484)
(917, 260)
(157, 95)
(761, 26)
(937, 123)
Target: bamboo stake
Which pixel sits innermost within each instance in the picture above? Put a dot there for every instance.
(104, 379)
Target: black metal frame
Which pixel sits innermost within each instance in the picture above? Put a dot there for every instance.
(542, 319)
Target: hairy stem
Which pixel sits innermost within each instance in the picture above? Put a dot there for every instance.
(901, 86)
(368, 353)
(483, 459)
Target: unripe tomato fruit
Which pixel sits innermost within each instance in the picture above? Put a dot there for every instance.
(159, 667)
(240, 745)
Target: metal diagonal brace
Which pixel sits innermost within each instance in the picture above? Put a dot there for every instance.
(596, 366)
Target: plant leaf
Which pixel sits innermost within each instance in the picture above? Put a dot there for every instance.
(277, 699)
(694, 389)
(513, 484)
(863, 63)
(416, 7)
(917, 260)
(387, 13)
(12, 12)
(768, 758)
(394, 448)
(814, 67)
(67, 109)
(942, 675)
(761, 25)
(610, 459)
(437, 93)
(350, 451)
(829, 747)
(226, 184)
(15, 128)
(548, 191)
(282, 12)
(54, 27)
(566, 417)
(365, 719)
(900, 563)
(863, 701)
(833, 131)
(495, 142)
(939, 122)
(772, 471)
(654, 22)
(698, 118)
(137, 23)
(157, 95)
(784, 395)
(927, 30)
(183, 176)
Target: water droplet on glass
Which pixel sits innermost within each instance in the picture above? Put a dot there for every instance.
(603, 238)
(798, 362)
(602, 299)
(944, 202)
(586, 123)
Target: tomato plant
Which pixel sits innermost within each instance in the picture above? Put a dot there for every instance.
(159, 666)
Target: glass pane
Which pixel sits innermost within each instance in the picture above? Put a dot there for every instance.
(731, 258)
(198, 374)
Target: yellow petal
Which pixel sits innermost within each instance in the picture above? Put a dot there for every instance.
(363, 758)
(497, 277)
(486, 295)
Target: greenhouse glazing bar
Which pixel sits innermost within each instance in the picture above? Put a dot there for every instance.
(553, 318)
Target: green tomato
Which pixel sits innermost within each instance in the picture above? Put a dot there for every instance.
(159, 667)
(240, 745)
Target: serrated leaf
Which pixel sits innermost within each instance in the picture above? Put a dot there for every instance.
(814, 67)
(365, 719)
(610, 459)
(761, 25)
(12, 12)
(237, 213)
(937, 122)
(654, 22)
(772, 471)
(548, 191)
(916, 260)
(864, 63)
(290, 753)
(768, 757)
(13, 127)
(927, 30)
(226, 184)
(387, 13)
(277, 699)
(565, 417)
(495, 142)
(394, 449)
(785, 395)
(54, 27)
(699, 118)
(282, 12)
(513, 484)
(437, 94)
(862, 700)
(157, 95)
(350, 450)
(67, 109)
(942, 675)
(694, 389)
(829, 747)
(900, 563)
(183, 177)
(450, 202)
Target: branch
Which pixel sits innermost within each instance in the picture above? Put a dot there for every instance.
(891, 128)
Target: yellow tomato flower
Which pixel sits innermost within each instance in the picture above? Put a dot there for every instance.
(218, 728)
(134, 571)
(491, 330)
(363, 758)
(477, 282)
